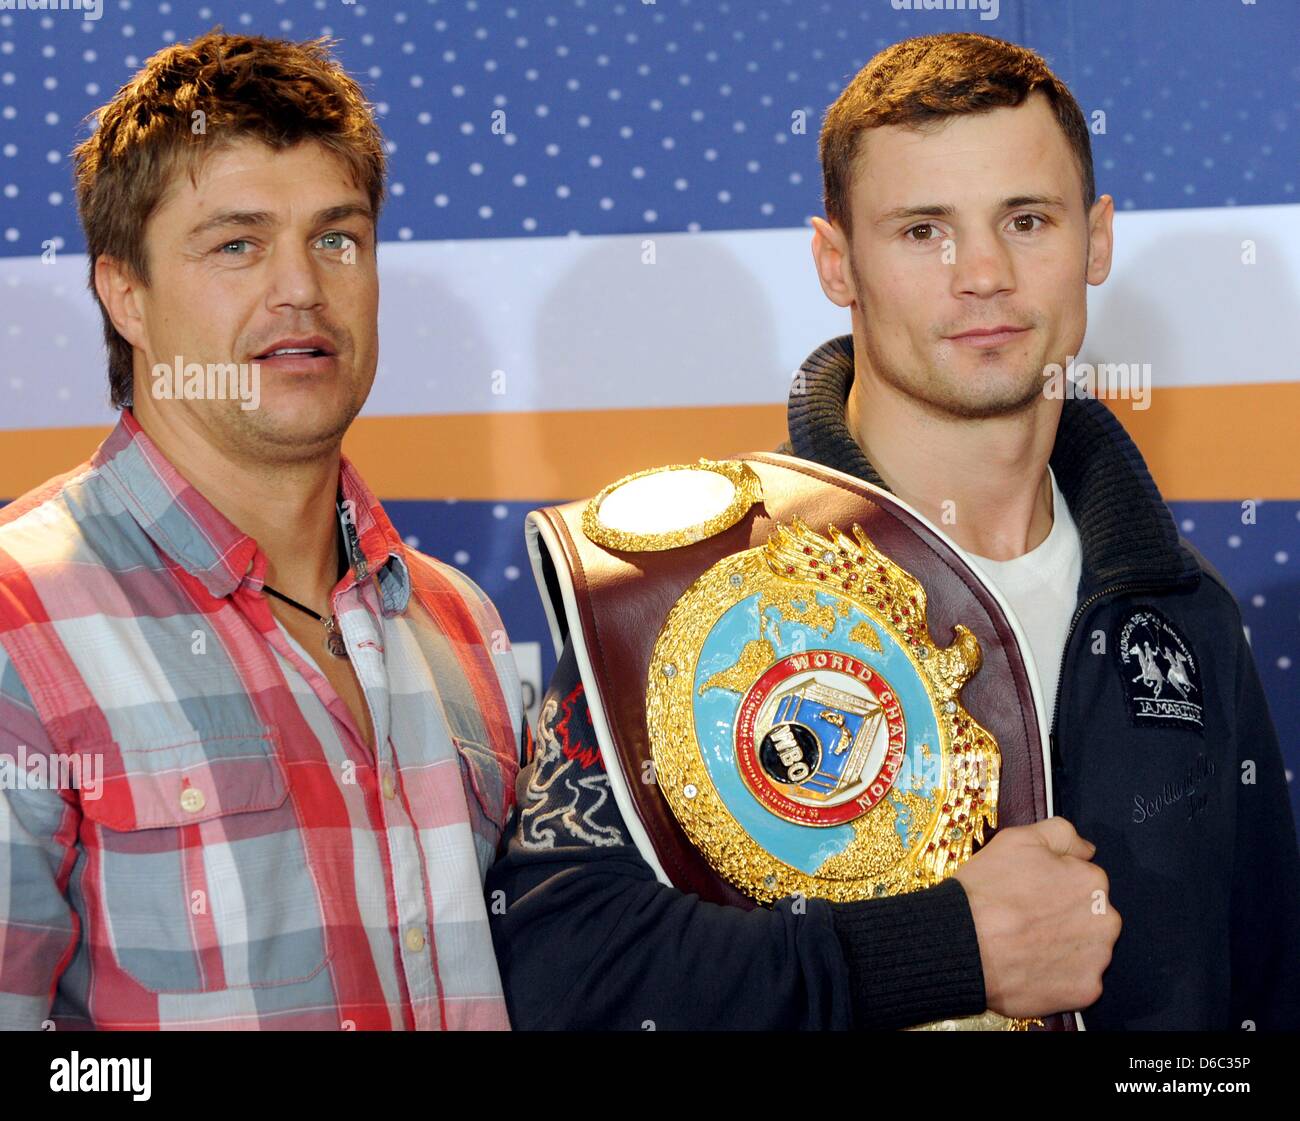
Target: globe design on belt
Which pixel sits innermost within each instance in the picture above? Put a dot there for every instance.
(807, 733)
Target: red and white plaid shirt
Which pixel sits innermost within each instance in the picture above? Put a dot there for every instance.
(193, 833)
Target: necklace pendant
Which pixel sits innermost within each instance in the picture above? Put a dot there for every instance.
(334, 641)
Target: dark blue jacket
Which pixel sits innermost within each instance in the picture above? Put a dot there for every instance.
(1163, 755)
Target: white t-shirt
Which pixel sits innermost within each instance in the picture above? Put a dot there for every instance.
(1042, 588)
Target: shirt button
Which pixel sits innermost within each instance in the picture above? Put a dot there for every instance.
(390, 788)
(414, 940)
(192, 800)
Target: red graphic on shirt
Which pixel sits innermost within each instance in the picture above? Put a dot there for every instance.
(573, 743)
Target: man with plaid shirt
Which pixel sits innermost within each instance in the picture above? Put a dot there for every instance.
(255, 752)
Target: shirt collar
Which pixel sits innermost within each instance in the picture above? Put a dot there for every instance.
(195, 535)
(1126, 531)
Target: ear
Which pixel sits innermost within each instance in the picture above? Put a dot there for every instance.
(830, 250)
(1101, 239)
(121, 292)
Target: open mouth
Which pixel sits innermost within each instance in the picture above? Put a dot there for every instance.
(297, 350)
(294, 352)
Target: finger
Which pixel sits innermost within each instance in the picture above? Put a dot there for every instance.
(1060, 836)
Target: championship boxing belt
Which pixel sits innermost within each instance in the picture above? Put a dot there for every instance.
(798, 684)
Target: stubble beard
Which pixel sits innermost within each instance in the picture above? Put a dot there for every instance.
(948, 394)
(276, 436)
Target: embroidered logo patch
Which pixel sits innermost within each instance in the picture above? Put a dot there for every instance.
(1162, 681)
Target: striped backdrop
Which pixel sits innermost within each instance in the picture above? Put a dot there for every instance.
(618, 273)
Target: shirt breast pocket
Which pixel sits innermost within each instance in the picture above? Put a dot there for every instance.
(197, 865)
(489, 789)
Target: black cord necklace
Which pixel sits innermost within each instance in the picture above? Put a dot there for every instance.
(333, 637)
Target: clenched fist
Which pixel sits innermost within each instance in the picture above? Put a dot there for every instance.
(1045, 923)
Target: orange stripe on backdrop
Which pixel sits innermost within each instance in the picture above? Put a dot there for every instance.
(1201, 443)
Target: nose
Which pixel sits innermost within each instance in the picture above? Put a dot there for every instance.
(982, 267)
(293, 279)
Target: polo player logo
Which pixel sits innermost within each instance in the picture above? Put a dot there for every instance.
(1150, 676)
(1165, 694)
(1177, 674)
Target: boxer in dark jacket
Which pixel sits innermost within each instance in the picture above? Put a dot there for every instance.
(1192, 824)
(1163, 756)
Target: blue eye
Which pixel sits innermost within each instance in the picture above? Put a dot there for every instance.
(344, 240)
(238, 241)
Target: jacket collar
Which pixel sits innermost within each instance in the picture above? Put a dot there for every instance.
(1126, 531)
(195, 535)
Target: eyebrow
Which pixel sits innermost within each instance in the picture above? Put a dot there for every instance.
(943, 210)
(224, 219)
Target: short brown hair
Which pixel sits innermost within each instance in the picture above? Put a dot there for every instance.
(922, 80)
(244, 86)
